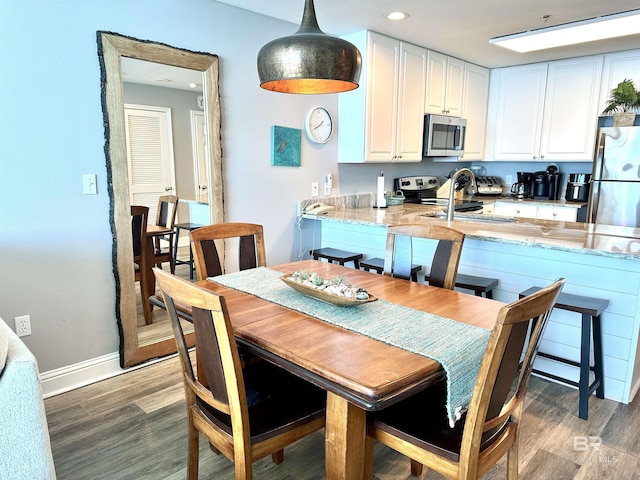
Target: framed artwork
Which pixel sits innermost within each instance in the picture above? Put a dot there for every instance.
(285, 146)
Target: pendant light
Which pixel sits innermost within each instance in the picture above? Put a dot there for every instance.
(309, 61)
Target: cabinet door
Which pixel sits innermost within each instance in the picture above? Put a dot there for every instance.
(436, 83)
(412, 80)
(474, 109)
(565, 214)
(382, 98)
(509, 209)
(571, 109)
(617, 67)
(454, 87)
(520, 101)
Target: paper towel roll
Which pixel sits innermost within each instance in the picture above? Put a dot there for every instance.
(381, 202)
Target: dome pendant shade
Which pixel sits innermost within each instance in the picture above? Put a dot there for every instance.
(309, 61)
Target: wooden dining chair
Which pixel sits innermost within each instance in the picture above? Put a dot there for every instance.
(418, 427)
(139, 217)
(207, 244)
(444, 265)
(245, 414)
(165, 217)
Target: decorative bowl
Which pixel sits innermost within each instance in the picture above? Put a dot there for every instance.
(328, 297)
(394, 199)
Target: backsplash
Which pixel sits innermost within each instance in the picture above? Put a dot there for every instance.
(360, 200)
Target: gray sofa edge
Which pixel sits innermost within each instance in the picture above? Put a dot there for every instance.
(25, 447)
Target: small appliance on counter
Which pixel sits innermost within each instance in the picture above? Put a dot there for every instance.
(545, 184)
(416, 188)
(578, 187)
(488, 186)
(524, 186)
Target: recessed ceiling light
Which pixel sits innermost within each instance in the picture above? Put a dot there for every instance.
(397, 15)
(599, 28)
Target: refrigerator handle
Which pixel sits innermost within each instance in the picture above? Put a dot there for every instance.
(594, 187)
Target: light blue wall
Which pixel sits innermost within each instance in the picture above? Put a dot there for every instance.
(55, 242)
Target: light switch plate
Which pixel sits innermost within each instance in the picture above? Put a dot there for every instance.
(89, 186)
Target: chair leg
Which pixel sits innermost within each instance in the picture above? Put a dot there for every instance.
(416, 468)
(512, 462)
(368, 458)
(277, 457)
(193, 449)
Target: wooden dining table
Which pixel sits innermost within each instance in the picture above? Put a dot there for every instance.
(359, 373)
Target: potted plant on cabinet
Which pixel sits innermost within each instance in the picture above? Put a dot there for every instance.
(622, 100)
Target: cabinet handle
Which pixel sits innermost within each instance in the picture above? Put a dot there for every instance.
(168, 189)
(541, 156)
(535, 157)
(555, 214)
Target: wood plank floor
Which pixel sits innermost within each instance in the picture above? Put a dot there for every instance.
(133, 427)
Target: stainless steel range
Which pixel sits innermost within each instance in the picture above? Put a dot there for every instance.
(417, 187)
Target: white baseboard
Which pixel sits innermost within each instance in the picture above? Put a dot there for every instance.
(55, 382)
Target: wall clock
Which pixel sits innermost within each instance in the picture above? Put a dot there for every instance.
(318, 125)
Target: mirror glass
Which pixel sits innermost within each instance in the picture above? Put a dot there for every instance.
(140, 344)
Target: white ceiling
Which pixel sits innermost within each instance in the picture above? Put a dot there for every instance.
(159, 75)
(460, 28)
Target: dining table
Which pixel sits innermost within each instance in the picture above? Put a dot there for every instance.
(358, 372)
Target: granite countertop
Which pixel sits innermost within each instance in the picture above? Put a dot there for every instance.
(603, 240)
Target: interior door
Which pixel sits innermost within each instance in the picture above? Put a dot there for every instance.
(199, 142)
(149, 155)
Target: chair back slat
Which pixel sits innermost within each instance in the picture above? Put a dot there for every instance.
(440, 263)
(139, 215)
(247, 253)
(212, 263)
(209, 353)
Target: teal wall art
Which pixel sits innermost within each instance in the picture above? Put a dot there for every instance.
(285, 146)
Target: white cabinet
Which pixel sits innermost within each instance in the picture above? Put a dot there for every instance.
(475, 99)
(618, 66)
(565, 214)
(445, 85)
(382, 120)
(545, 111)
(533, 210)
(509, 209)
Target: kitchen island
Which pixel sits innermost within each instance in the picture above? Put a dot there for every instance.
(597, 261)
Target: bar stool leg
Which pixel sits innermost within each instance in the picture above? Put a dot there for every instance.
(583, 408)
(597, 352)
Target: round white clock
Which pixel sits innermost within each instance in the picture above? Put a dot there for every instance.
(318, 125)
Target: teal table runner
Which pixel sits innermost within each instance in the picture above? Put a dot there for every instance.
(458, 347)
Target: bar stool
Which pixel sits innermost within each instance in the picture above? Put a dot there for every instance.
(377, 265)
(479, 285)
(591, 310)
(189, 227)
(335, 255)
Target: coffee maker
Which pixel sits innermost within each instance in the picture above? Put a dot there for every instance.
(523, 188)
(545, 184)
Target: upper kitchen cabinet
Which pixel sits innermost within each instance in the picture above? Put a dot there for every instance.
(474, 108)
(545, 111)
(445, 85)
(617, 67)
(382, 120)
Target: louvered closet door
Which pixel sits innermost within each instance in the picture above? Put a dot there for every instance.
(150, 155)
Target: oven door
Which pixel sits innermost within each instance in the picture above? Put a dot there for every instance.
(444, 136)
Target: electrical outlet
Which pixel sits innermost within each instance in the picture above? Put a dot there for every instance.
(314, 189)
(23, 325)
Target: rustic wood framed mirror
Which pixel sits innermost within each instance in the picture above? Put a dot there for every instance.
(111, 48)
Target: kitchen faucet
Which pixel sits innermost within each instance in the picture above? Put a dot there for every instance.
(454, 180)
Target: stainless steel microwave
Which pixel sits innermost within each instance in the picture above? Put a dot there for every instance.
(444, 136)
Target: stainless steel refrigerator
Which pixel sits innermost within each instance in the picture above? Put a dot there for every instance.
(614, 197)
